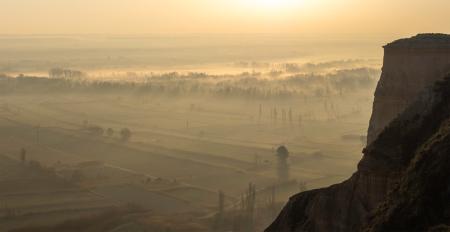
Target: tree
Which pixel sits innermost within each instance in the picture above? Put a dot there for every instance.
(109, 132)
(220, 212)
(56, 73)
(248, 207)
(283, 167)
(65, 73)
(271, 202)
(275, 114)
(23, 155)
(290, 115)
(95, 130)
(125, 134)
(221, 208)
(260, 111)
(300, 120)
(282, 152)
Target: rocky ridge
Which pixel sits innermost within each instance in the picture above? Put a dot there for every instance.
(403, 181)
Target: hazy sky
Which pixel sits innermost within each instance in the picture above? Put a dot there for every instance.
(223, 16)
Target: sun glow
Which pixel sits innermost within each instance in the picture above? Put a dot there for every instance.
(272, 5)
(275, 3)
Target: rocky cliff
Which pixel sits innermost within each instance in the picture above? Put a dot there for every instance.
(403, 181)
(420, 201)
(409, 66)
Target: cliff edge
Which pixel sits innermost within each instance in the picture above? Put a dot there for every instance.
(403, 181)
(409, 66)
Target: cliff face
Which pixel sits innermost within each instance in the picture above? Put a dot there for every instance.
(399, 159)
(409, 66)
(421, 199)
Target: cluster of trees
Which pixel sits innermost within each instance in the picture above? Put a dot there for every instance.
(253, 210)
(245, 85)
(286, 114)
(303, 67)
(249, 211)
(244, 218)
(252, 64)
(124, 134)
(35, 165)
(65, 73)
(322, 66)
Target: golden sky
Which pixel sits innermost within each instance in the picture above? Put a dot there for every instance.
(223, 16)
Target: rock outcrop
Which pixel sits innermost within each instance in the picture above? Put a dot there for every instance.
(421, 199)
(409, 66)
(402, 182)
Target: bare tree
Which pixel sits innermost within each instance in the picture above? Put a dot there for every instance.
(290, 115)
(260, 111)
(248, 206)
(271, 203)
(275, 114)
(23, 155)
(220, 212)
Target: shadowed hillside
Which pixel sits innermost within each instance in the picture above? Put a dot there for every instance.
(403, 177)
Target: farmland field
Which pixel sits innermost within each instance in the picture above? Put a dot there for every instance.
(180, 142)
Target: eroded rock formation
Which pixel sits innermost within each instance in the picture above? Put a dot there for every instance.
(409, 66)
(405, 169)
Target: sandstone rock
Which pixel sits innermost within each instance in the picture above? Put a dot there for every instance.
(409, 66)
(389, 159)
(421, 200)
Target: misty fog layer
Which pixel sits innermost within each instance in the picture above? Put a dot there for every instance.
(221, 141)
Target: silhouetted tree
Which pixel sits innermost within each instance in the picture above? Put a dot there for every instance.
(300, 120)
(125, 134)
(275, 114)
(257, 160)
(109, 132)
(96, 130)
(23, 155)
(260, 111)
(283, 167)
(290, 115)
(220, 212)
(271, 202)
(282, 152)
(65, 73)
(248, 204)
(221, 208)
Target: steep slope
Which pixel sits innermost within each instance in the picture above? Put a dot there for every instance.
(399, 159)
(409, 66)
(421, 201)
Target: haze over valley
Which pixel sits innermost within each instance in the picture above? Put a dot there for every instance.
(192, 120)
(191, 116)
